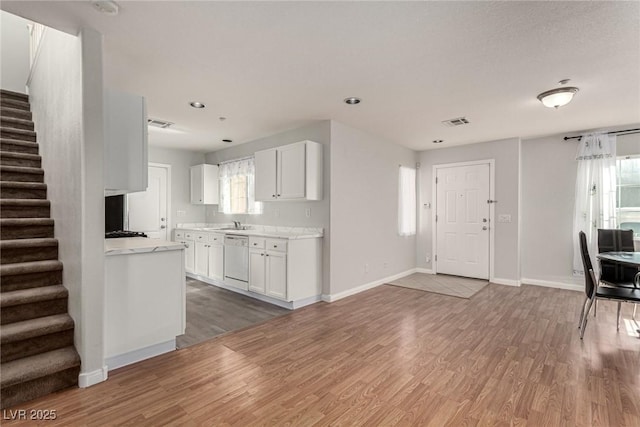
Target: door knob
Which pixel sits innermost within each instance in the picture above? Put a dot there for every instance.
(484, 219)
(484, 228)
(163, 226)
(161, 219)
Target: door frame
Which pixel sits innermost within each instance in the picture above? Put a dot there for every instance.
(434, 197)
(168, 196)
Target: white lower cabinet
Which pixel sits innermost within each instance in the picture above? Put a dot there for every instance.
(216, 257)
(268, 268)
(190, 256)
(202, 258)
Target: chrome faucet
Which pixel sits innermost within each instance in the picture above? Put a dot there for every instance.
(236, 224)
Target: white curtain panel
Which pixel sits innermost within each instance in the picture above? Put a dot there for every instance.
(226, 173)
(407, 201)
(595, 196)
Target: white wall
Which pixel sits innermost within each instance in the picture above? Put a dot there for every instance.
(506, 154)
(281, 212)
(548, 192)
(364, 209)
(66, 99)
(14, 45)
(180, 161)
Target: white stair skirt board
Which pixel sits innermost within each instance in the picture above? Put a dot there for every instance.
(125, 359)
(552, 284)
(365, 287)
(290, 305)
(87, 379)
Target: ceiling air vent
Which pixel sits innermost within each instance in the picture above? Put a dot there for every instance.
(458, 121)
(159, 123)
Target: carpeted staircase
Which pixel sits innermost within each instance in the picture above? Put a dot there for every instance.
(37, 355)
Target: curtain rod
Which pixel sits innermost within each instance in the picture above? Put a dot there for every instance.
(236, 160)
(626, 132)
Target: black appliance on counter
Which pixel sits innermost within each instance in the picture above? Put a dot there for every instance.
(114, 208)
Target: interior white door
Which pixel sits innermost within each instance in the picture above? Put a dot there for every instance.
(462, 222)
(147, 210)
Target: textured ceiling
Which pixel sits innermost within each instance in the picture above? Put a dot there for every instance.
(272, 66)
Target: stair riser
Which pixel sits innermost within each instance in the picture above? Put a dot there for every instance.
(23, 193)
(29, 390)
(16, 134)
(41, 253)
(28, 232)
(15, 104)
(18, 313)
(16, 114)
(30, 280)
(5, 122)
(21, 176)
(25, 211)
(17, 96)
(17, 161)
(18, 148)
(35, 345)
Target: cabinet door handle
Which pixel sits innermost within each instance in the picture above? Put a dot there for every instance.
(261, 254)
(273, 195)
(278, 195)
(267, 255)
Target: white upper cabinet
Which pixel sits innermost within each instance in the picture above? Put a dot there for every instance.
(125, 145)
(265, 164)
(290, 172)
(204, 185)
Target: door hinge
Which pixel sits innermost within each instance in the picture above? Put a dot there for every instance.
(435, 257)
(436, 179)
(436, 218)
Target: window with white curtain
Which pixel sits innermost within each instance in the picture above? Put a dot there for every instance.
(407, 201)
(237, 187)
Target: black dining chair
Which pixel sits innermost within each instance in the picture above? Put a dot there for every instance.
(594, 292)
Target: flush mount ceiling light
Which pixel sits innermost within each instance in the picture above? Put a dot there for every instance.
(555, 98)
(437, 141)
(196, 104)
(106, 6)
(352, 100)
(228, 141)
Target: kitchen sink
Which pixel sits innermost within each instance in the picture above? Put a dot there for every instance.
(230, 228)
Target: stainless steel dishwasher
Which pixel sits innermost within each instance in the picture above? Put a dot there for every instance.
(236, 261)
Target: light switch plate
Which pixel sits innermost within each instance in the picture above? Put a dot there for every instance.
(504, 218)
(181, 214)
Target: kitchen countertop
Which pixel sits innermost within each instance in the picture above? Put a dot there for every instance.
(290, 233)
(136, 245)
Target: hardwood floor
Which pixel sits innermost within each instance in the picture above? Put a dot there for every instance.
(212, 311)
(388, 356)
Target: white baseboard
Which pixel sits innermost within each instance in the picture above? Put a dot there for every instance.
(365, 287)
(552, 284)
(121, 360)
(87, 379)
(505, 282)
(425, 270)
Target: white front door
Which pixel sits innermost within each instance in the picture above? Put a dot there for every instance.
(462, 221)
(147, 210)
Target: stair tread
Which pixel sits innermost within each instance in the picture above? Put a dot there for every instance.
(24, 296)
(22, 243)
(22, 169)
(4, 222)
(17, 155)
(24, 202)
(39, 326)
(39, 365)
(20, 184)
(17, 120)
(18, 142)
(18, 131)
(29, 267)
(23, 96)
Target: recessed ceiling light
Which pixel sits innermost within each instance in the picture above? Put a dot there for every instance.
(352, 100)
(228, 141)
(555, 98)
(106, 6)
(196, 104)
(438, 141)
(222, 119)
